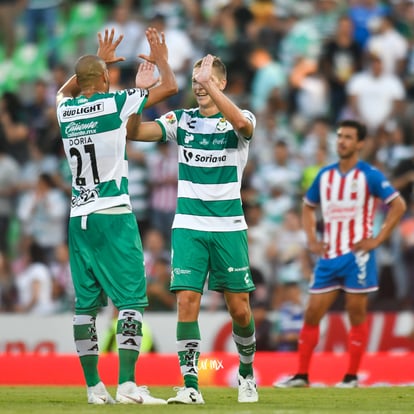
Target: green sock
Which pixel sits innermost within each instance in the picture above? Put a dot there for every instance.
(90, 369)
(86, 341)
(188, 349)
(128, 338)
(245, 340)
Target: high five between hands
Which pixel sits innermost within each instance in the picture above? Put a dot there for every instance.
(145, 77)
(146, 73)
(158, 52)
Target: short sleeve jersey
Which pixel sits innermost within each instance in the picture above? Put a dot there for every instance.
(94, 139)
(348, 203)
(211, 160)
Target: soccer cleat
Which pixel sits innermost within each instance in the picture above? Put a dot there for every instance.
(349, 381)
(129, 393)
(297, 381)
(186, 396)
(99, 395)
(247, 390)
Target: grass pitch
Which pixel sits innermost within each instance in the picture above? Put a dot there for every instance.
(72, 400)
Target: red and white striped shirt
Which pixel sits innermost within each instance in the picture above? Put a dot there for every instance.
(348, 203)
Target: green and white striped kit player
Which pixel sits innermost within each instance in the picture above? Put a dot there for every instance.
(209, 212)
(93, 134)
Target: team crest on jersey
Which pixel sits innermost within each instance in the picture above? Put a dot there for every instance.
(84, 197)
(170, 118)
(354, 186)
(221, 124)
(354, 189)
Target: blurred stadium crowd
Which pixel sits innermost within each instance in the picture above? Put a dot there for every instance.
(300, 66)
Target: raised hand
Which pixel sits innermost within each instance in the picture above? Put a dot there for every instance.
(107, 47)
(158, 47)
(145, 77)
(206, 68)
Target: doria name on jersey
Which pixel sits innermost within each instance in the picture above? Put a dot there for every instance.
(93, 132)
(211, 156)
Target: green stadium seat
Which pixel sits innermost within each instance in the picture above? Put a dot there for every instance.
(29, 62)
(85, 18)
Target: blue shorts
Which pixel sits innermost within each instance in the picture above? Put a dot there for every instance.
(351, 272)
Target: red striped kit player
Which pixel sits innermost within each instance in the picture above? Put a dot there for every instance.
(347, 193)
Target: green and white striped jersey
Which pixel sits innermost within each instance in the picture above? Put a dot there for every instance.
(211, 157)
(94, 139)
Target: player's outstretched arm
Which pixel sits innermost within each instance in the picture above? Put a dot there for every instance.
(159, 56)
(151, 131)
(143, 131)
